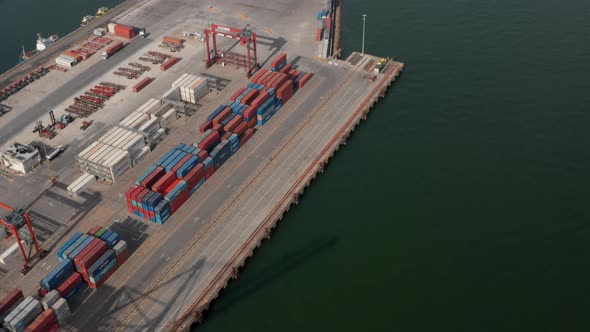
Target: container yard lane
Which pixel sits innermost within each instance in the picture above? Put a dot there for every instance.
(211, 229)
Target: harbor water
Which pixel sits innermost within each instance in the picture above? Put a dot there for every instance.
(459, 205)
(22, 20)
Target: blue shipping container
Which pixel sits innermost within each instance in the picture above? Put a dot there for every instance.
(74, 245)
(228, 119)
(112, 240)
(208, 163)
(68, 243)
(101, 263)
(216, 112)
(187, 167)
(164, 157)
(106, 235)
(81, 247)
(58, 275)
(175, 161)
(171, 158)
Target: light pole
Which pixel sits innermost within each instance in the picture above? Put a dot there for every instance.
(363, 46)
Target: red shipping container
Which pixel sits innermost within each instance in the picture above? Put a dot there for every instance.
(225, 136)
(217, 127)
(256, 78)
(269, 78)
(179, 201)
(205, 126)
(252, 123)
(264, 77)
(304, 80)
(171, 186)
(328, 23)
(194, 176)
(133, 196)
(318, 34)
(262, 97)
(85, 251)
(279, 81)
(154, 176)
(181, 162)
(84, 261)
(209, 140)
(142, 84)
(125, 31)
(222, 116)
(247, 135)
(169, 63)
(46, 322)
(67, 286)
(93, 230)
(249, 97)
(123, 257)
(278, 60)
(285, 92)
(250, 112)
(241, 128)
(286, 69)
(237, 94)
(203, 154)
(209, 172)
(9, 300)
(230, 126)
(129, 192)
(140, 197)
(164, 182)
(172, 40)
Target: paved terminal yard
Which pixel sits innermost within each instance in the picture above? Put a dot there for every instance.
(176, 269)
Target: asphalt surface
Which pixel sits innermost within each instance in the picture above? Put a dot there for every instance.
(62, 44)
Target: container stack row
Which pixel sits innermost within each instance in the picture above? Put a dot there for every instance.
(126, 144)
(191, 87)
(85, 259)
(165, 186)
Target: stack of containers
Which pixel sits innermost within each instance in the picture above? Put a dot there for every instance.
(192, 87)
(49, 299)
(221, 153)
(10, 302)
(46, 322)
(61, 310)
(278, 62)
(226, 129)
(121, 30)
(23, 315)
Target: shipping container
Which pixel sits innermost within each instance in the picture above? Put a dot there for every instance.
(68, 243)
(125, 31)
(210, 141)
(70, 286)
(237, 93)
(154, 176)
(206, 125)
(46, 322)
(172, 40)
(61, 272)
(219, 109)
(169, 63)
(231, 125)
(11, 300)
(142, 84)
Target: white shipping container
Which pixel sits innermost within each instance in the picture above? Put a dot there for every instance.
(90, 147)
(129, 119)
(107, 135)
(140, 155)
(76, 188)
(111, 27)
(176, 83)
(100, 32)
(63, 62)
(139, 121)
(96, 152)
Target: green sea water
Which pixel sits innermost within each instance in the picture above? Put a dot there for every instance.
(21, 21)
(461, 204)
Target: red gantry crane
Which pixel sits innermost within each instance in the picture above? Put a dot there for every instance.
(246, 37)
(14, 221)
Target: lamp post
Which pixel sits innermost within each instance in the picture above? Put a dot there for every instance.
(363, 46)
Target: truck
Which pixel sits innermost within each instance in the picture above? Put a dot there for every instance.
(112, 50)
